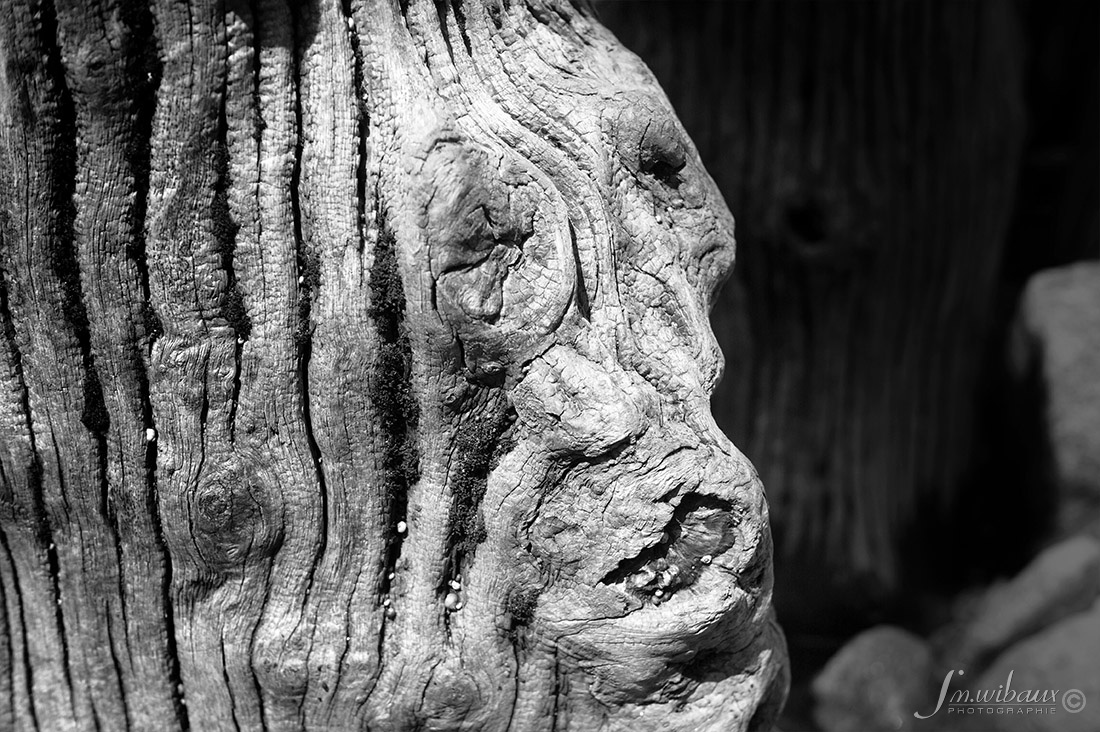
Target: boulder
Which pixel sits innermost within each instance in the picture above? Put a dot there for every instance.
(1061, 662)
(875, 682)
(1061, 581)
(1057, 342)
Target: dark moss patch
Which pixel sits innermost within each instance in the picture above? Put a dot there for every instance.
(234, 312)
(94, 413)
(387, 305)
(225, 239)
(225, 229)
(390, 386)
(398, 414)
(477, 449)
(309, 267)
(391, 391)
(520, 605)
(151, 324)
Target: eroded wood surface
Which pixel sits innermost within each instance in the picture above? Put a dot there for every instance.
(357, 369)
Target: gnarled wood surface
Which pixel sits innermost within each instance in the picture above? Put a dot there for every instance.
(357, 370)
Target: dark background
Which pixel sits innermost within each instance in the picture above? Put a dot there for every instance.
(898, 171)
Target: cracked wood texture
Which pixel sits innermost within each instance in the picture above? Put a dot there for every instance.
(356, 370)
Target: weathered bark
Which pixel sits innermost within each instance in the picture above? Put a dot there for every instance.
(870, 150)
(357, 377)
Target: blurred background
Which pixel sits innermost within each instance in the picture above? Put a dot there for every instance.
(912, 332)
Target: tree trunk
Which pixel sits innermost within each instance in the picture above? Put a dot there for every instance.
(870, 150)
(357, 377)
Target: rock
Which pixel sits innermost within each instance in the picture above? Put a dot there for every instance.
(875, 682)
(1061, 581)
(1058, 340)
(1062, 661)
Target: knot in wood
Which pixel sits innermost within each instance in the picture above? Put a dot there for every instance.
(233, 522)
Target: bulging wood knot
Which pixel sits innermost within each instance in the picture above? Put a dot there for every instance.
(234, 522)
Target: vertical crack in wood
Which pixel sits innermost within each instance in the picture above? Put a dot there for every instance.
(224, 237)
(225, 243)
(114, 102)
(7, 653)
(63, 164)
(362, 120)
(110, 519)
(441, 16)
(555, 692)
(251, 13)
(460, 22)
(229, 688)
(63, 254)
(55, 579)
(25, 659)
(584, 307)
(118, 671)
(308, 262)
(42, 532)
(143, 49)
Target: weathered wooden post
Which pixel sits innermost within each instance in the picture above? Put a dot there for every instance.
(357, 370)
